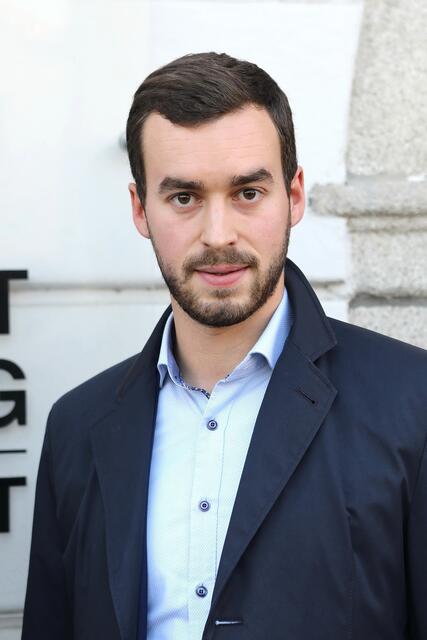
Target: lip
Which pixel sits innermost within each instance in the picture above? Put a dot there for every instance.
(223, 275)
(223, 268)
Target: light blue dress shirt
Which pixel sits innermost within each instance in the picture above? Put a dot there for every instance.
(200, 445)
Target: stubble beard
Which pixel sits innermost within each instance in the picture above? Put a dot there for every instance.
(222, 311)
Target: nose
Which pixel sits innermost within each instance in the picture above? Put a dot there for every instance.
(218, 225)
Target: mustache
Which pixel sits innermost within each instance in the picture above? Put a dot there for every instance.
(210, 258)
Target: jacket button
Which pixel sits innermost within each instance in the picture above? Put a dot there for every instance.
(201, 591)
(212, 425)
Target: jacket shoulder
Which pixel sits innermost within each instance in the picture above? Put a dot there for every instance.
(380, 368)
(94, 395)
(365, 341)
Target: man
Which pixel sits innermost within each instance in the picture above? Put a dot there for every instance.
(258, 471)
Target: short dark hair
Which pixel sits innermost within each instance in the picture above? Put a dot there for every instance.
(200, 87)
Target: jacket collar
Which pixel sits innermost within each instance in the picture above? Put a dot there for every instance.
(311, 332)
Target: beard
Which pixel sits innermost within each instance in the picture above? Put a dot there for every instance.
(222, 311)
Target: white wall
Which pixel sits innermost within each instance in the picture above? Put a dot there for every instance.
(68, 74)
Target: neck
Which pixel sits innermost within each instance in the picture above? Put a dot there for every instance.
(206, 354)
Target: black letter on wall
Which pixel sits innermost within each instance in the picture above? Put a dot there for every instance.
(19, 410)
(5, 276)
(12, 368)
(5, 483)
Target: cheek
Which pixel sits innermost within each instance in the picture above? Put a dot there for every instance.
(171, 242)
(268, 233)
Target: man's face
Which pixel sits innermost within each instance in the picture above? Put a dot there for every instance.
(217, 212)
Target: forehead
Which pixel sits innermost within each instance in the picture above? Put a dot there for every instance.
(235, 143)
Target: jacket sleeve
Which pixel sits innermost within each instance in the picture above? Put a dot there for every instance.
(47, 614)
(417, 556)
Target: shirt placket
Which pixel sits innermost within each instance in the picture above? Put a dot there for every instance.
(204, 513)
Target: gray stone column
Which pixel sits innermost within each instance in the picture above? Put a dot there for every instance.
(385, 196)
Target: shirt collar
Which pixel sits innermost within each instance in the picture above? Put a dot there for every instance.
(267, 349)
(272, 340)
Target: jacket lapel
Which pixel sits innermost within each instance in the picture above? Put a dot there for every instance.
(122, 443)
(294, 407)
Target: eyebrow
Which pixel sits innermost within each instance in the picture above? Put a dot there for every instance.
(261, 175)
(170, 183)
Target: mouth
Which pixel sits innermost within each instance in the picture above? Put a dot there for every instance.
(222, 275)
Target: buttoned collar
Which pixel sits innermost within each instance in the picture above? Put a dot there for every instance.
(265, 351)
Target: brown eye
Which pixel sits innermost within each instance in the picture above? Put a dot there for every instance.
(250, 195)
(182, 199)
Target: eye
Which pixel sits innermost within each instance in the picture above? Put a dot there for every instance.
(182, 199)
(250, 195)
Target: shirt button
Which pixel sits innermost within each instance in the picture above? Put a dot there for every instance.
(212, 425)
(204, 505)
(201, 591)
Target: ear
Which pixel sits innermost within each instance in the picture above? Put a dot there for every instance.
(138, 211)
(297, 197)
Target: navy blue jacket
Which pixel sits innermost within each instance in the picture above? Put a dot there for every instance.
(328, 535)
